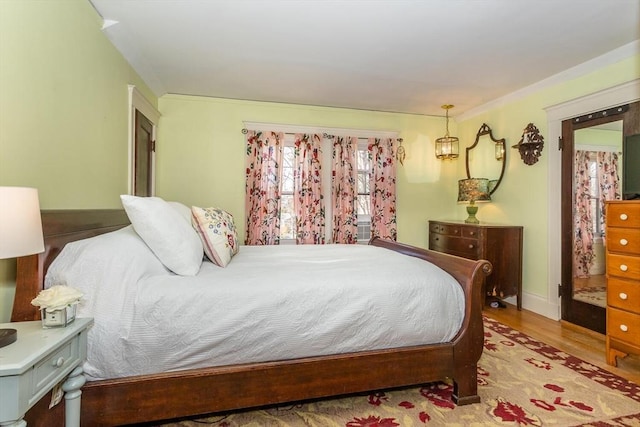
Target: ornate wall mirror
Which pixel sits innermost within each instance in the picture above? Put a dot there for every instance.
(487, 158)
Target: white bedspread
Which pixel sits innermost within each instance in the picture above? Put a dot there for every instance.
(269, 303)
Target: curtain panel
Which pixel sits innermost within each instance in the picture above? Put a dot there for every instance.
(382, 187)
(262, 192)
(583, 222)
(308, 198)
(344, 190)
(608, 179)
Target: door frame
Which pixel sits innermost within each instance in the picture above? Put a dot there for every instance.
(138, 102)
(620, 94)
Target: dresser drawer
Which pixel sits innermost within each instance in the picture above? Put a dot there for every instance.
(623, 215)
(623, 240)
(445, 229)
(623, 325)
(623, 294)
(467, 248)
(626, 267)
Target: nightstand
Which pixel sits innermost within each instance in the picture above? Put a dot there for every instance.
(39, 360)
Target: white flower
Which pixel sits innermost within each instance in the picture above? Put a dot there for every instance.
(57, 297)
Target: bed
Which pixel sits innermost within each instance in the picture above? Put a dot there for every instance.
(168, 395)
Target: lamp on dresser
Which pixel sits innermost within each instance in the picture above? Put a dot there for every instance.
(470, 191)
(20, 232)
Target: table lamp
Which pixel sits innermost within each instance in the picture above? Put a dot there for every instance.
(470, 191)
(20, 232)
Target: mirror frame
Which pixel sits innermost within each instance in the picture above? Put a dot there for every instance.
(486, 130)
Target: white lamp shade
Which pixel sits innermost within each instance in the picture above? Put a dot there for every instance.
(20, 222)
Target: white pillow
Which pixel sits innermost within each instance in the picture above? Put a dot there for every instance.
(166, 232)
(217, 232)
(183, 210)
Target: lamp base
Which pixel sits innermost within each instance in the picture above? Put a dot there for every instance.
(8, 336)
(471, 211)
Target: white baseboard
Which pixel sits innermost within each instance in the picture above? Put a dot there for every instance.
(538, 304)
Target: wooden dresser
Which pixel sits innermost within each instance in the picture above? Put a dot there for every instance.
(623, 278)
(499, 244)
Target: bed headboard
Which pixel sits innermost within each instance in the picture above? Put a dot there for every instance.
(59, 227)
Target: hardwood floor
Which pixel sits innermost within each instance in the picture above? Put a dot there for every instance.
(581, 342)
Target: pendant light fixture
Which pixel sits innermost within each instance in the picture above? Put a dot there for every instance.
(447, 146)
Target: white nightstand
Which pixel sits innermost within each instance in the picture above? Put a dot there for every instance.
(36, 362)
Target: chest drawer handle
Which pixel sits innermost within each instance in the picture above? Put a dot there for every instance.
(58, 362)
(623, 267)
(624, 328)
(623, 296)
(472, 233)
(624, 242)
(470, 246)
(623, 217)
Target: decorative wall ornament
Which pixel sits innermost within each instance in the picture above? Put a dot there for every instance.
(530, 145)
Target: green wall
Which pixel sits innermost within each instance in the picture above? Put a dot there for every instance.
(522, 197)
(200, 155)
(63, 129)
(63, 110)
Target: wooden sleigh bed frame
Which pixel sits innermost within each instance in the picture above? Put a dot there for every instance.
(179, 394)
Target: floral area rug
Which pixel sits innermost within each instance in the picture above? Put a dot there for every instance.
(521, 381)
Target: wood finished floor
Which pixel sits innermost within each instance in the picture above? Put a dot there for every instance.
(583, 343)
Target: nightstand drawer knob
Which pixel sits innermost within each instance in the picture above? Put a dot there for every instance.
(624, 242)
(623, 267)
(624, 328)
(623, 217)
(58, 362)
(623, 296)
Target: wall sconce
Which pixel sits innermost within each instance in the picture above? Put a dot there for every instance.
(530, 145)
(499, 150)
(471, 191)
(447, 146)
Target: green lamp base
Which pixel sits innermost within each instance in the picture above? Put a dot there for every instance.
(472, 209)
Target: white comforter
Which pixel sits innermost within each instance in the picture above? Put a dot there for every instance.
(269, 303)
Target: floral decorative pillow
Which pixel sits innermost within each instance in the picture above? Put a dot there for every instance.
(217, 232)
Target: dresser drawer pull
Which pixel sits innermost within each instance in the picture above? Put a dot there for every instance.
(624, 242)
(623, 296)
(58, 362)
(624, 328)
(623, 217)
(471, 246)
(472, 233)
(623, 267)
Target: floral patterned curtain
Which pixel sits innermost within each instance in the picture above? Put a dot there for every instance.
(608, 179)
(307, 189)
(383, 187)
(343, 190)
(262, 192)
(583, 223)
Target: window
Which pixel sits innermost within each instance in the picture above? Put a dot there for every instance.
(287, 212)
(364, 195)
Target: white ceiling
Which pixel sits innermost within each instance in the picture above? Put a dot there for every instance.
(389, 55)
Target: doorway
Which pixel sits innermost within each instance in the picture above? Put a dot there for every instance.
(591, 173)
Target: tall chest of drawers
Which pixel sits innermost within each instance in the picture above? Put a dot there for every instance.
(499, 244)
(623, 278)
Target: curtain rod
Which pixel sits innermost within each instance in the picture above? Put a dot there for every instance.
(326, 135)
(293, 129)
